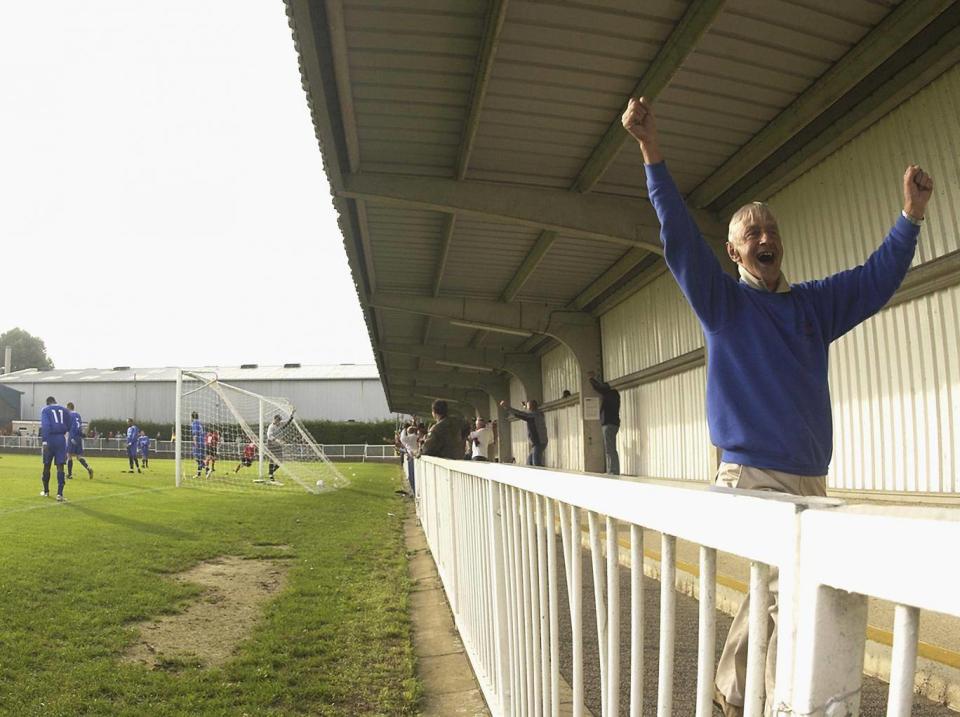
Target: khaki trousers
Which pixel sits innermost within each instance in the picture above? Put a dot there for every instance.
(732, 669)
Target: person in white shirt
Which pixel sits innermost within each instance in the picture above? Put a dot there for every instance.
(480, 440)
(410, 440)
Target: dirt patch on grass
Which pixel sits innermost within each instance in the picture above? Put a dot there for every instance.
(207, 632)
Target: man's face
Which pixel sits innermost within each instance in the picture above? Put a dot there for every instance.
(758, 249)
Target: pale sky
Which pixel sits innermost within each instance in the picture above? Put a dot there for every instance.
(162, 195)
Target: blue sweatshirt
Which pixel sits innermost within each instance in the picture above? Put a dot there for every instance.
(768, 402)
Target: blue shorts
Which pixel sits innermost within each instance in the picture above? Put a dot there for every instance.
(131, 450)
(56, 450)
(198, 452)
(144, 452)
(75, 446)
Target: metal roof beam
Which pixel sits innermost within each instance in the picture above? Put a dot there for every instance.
(895, 30)
(484, 357)
(494, 385)
(529, 265)
(631, 222)
(341, 71)
(683, 40)
(473, 398)
(891, 91)
(488, 49)
(515, 317)
(623, 266)
(445, 240)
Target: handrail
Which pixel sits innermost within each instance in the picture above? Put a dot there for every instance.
(492, 529)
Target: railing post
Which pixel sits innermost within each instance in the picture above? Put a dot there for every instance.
(499, 595)
(453, 544)
(828, 667)
(759, 616)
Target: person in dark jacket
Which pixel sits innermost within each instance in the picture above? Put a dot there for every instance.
(445, 438)
(536, 431)
(609, 422)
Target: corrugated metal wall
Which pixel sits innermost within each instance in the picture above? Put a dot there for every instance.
(566, 444)
(895, 380)
(561, 372)
(654, 325)
(356, 399)
(895, 383)
(664, 428)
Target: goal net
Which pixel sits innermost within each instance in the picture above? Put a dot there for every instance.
(230, 437)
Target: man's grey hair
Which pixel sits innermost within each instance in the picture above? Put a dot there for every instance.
(752, 212)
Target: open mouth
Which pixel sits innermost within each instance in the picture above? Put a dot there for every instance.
(766, 257)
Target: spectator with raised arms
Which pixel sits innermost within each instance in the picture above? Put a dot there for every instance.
(767, 341)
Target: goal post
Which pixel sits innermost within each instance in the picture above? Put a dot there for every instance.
(227, 436)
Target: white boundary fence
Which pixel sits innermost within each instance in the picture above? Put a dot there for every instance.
(491, 529)
(343, 451)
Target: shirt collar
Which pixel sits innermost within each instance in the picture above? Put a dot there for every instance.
(783, 286)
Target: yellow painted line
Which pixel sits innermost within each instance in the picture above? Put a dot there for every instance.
(876, 634)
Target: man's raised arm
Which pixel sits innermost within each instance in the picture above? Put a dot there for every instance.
(688, 256)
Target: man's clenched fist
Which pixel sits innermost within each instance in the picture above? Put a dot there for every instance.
(639, 121)
(917, 190)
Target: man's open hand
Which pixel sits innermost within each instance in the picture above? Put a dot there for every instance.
(639, 121)
(917, 190)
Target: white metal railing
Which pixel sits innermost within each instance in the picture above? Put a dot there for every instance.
(492, 531)
(347, 451)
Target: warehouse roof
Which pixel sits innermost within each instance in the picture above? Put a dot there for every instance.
(287, 372)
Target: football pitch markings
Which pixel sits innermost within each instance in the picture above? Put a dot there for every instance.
(51, 502)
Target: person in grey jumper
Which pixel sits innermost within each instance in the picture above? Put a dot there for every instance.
(536, 431)
(609, 422)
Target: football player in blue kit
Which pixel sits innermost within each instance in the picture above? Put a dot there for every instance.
(197, 436)
(143, 445)
(75, 442)
(55, 422)
(132, 434)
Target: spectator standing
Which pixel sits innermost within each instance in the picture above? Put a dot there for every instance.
(609, 422)
(536, 430)
(445, 437)
(767, 341)
(480, 439)
(410, 441)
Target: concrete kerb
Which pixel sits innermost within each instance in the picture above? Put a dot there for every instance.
(449, 684)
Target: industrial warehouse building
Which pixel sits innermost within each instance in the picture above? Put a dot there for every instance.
(337, 393)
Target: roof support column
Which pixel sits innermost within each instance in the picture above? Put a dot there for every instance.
(581, 334)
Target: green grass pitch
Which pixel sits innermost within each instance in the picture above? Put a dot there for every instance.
(77, 577)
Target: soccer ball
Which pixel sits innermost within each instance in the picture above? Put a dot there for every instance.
(320, 484)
